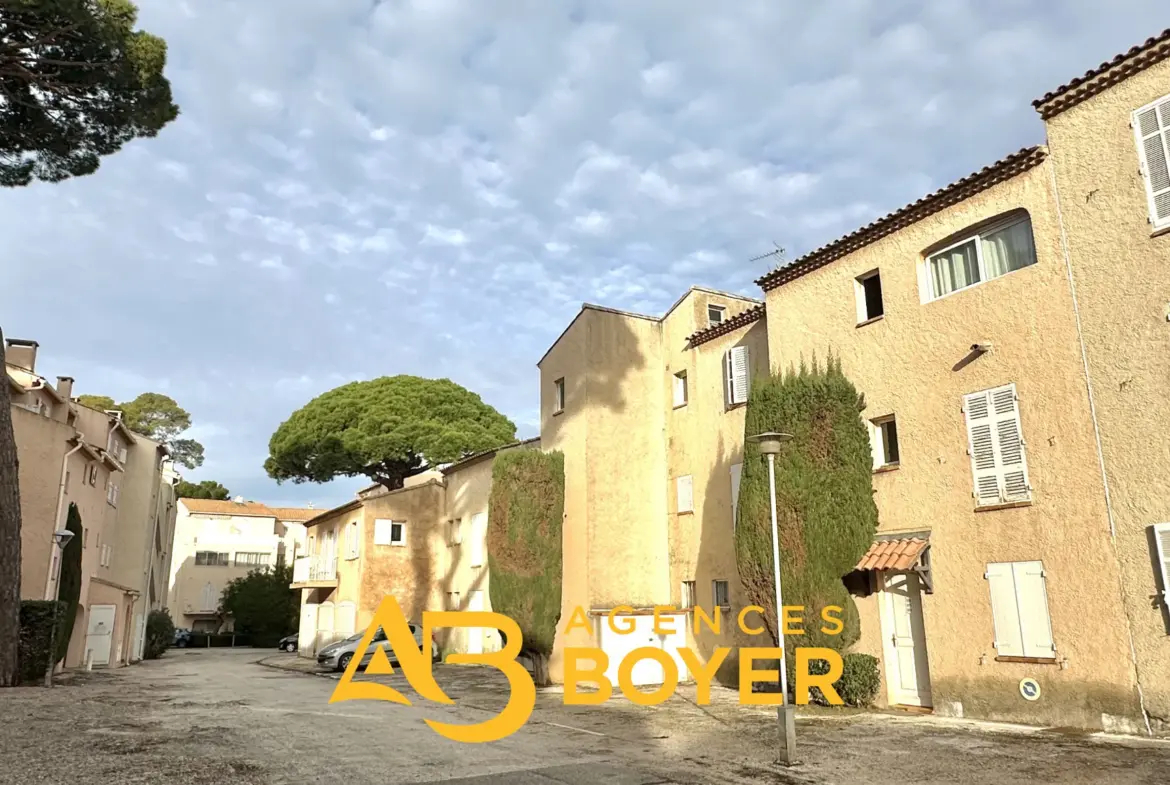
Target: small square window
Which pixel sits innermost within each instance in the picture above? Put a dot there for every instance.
(884, 441)
(868, 289)
(721, 594)
(688, 595)
(397, 533)
(684, 492)
(716, 314)
(680, 389)
(559, 391)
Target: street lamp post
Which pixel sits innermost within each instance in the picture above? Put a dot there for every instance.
(769, 444)
(61, 538)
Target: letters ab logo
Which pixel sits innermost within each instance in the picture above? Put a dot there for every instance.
(415, 664)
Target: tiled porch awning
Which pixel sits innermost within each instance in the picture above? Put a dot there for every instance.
(899, 554)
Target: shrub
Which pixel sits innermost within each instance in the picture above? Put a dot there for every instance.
(860, 680)
(160, 633)
(70, 580)
(36, 623)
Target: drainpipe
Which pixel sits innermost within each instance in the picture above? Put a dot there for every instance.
(60, 505)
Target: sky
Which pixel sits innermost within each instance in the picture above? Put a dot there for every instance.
(364, 188)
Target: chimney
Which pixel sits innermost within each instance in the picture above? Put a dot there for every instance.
(238, 500)
(310, 505)
(65, 387)
(21, 353)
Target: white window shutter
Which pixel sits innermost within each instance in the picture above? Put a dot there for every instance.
(736, 472)
(876, 445)
(1009, 444)
(685, 491)
(1162, 543)
(981, 447)
(1001, 582)
(738, 374)
(1032, 605)
(728, 378)
(1152, 127)
(381, 532)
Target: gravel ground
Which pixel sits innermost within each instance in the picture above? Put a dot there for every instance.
(220, 717)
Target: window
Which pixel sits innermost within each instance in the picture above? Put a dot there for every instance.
(559, 395)
(999, 249)
(721, 594)
(208, 598)
(736, 472)
(104, 555)
(251, 559)
(454, 532)
(478, 539)
(84, 538)
(868, 289)
(452, 600)
(112, 494)
(1162, 544)
(397, 533)
(688, 594)
(735, 375)
(211, 559)
(715, 314)
(883, 438)
(91, 470)
(1019, 606)
(1151, 124)
(999, 466)
(680, 389)
(351, 540)
(684, 493)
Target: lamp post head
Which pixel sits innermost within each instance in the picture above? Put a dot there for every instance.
(62, 536)
(770, 442)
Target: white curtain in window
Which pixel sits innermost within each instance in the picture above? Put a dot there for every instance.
(954, 269)
(1008, 249)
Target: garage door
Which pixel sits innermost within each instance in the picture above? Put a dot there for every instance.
(617, 646)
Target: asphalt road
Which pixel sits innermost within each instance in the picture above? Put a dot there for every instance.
(216, 717)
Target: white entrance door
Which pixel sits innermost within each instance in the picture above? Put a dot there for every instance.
(475, 634)
(307, 634)
(100, 633)
(907, 671)
(325, 634)
(616, 647)
(139, 637)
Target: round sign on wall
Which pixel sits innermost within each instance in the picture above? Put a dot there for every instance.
(1030, 689)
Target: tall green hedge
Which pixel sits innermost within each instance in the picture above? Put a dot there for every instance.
(70, 581)
(826, 514)
(525, 517)
(36, 623)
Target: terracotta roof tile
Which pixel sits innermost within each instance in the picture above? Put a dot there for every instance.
(228, 507)
(1152, 51)
(295, 513)
(1004, 169)
(896, 554)
(749, 316)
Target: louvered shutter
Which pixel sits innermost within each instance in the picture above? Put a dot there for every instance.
(1162, 542)
(1001, 582)
(685, 493)
(736, 375)
(1032, 606)
(982, 448)
(875, 444)
(736, 472)
(1152, 127)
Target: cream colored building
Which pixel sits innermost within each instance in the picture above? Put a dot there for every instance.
(425, 544)
(123, 486)
(651, 426)
(218, 541)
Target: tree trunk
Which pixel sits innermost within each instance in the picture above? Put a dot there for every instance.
(540, 669)
(9, 537)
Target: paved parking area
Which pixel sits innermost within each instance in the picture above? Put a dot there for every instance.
(219, 716)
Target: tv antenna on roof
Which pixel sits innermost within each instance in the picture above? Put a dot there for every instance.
(779, 252)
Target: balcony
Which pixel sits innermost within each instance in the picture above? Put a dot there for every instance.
(314, 571)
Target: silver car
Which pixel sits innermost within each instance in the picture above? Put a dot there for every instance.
(337, 656)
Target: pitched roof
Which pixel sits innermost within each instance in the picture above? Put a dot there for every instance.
(228, 507)
(1152, 51)
(295, 513)
(1003, 169)
(750, 316)
(893, 554)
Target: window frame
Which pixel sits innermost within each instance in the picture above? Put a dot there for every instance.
(1028, 650)
(715, 582)
(976, 234)
(880, 444)
(679, 383)
(713, 308)
(863, 315)
(260, 561)
(687, 595)
(559, 395)
(352, 541)
(1000, 469)
(729, 376)
(1147, 184)
(1163, 554)
(401, 541)
(689, 482)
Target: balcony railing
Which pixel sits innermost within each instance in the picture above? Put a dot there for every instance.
(307, 569)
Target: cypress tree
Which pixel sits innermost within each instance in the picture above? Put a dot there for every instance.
(70, 591)
(525, 519)
(826, 515)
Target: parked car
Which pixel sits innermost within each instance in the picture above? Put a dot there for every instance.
(182, 638)
(337, 656)
(289, 643)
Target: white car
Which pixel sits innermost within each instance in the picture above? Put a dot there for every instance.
(337, 656)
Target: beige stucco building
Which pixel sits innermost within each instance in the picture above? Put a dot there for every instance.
(217, 541)
(424, 543)
(123, 486)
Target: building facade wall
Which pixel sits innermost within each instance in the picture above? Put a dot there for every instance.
(1120, 268)
(916, 364)
(41, 445)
